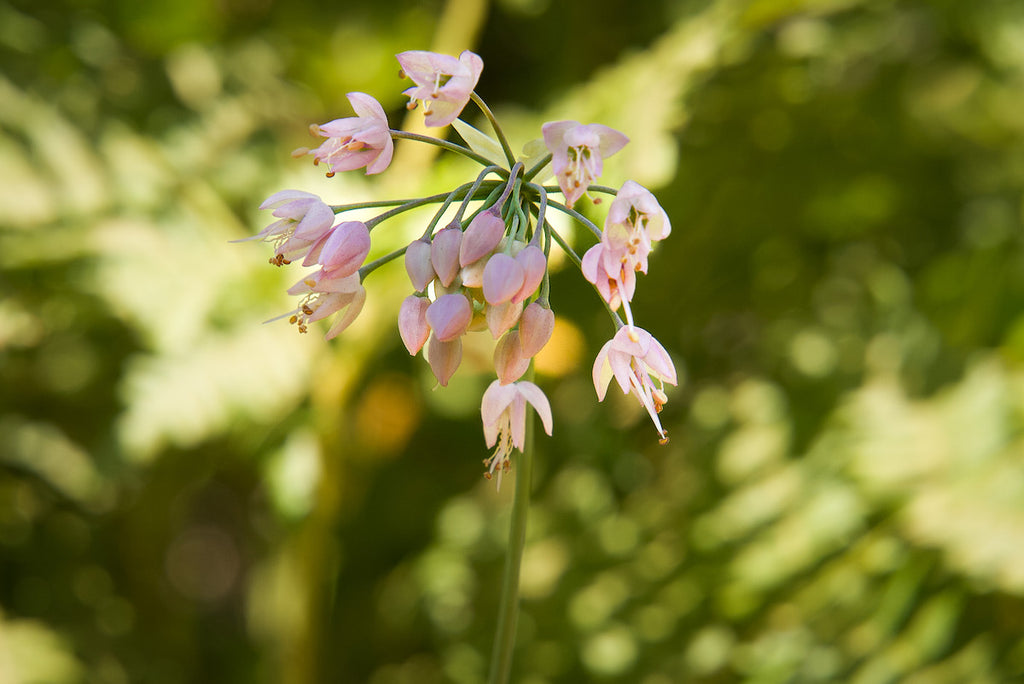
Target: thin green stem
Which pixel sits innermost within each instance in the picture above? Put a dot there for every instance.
(412, 204)
(497, 129)
(508, 607)
(545, 160)
(576, 215)
(450, 146)
(369, 268)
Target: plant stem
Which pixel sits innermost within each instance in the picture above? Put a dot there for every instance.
(497, 129)
(508, 609)
(452, 147)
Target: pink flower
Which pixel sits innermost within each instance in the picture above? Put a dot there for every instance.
(634, 221)
(536, 324)
(324, 294)
(503, 411)
(449, 316)
(503, 278)
(302, 220)
(482, 236)
(444, 253)
(509, 361)
(444, 358)
(632, 357)
(412, 323)
(355, 142)
(443, 83)
(578, 152)
(343, 250)
(418, 264)
(615, 287)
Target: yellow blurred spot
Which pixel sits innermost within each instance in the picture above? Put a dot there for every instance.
(387, 414)
(561, 355)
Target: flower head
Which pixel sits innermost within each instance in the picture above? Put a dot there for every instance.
(634, 221)
(302, 220)
(355, 142)
(503, 410)
(324, 294)
(632, 357)
(443, 83)
(578, 152)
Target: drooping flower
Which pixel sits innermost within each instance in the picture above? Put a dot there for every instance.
(615, 287)
(412, 323)
(418, 264)
(632, 357)
(482, 236)
(443, 83)
(324, 294)
(578, 152)
(302, 220)
(503, 411)
(355, 142)
(444, 358)
(449, 316)
(444, 253)
(634, 221)
(536, 324)
(342, 251)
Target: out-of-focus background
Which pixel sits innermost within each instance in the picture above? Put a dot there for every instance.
(188, 495)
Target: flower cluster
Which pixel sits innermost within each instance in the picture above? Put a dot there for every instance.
(487, 270)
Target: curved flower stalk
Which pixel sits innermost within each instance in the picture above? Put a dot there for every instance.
(481, 264)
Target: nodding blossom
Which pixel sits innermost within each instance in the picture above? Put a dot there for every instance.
(578, 152)
(503, 411)
(641, 366)
(443, 83)
(355, 142)
(302, 220)
(481, 263)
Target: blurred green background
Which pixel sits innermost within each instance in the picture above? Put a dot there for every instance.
(187, 495)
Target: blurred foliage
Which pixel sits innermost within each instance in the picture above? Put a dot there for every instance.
(187, 495)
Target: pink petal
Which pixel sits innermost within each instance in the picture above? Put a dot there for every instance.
(412, 323)
(346, 249)
(501, 317)
(444, 253)
(535, 396)
(509, 362)
(535, 327)
(418, 264)
(495, 400)
(503, 278)
(350, 315)
(482, 236)
(602, 374)
(444, 358)
(532, 260)
(449, 316)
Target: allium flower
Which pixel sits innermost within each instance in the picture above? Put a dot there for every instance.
(615, 287)
(343, 250)
(302, 220)
(443, 83)
(355, 142)
(324, 294)
(632, 357)
(578, 152)
(634, 221)
(503, 410)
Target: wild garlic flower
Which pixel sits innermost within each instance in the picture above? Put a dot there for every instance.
(481, 264)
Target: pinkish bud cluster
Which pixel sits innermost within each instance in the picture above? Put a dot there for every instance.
(488, 272)
(472, 279)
